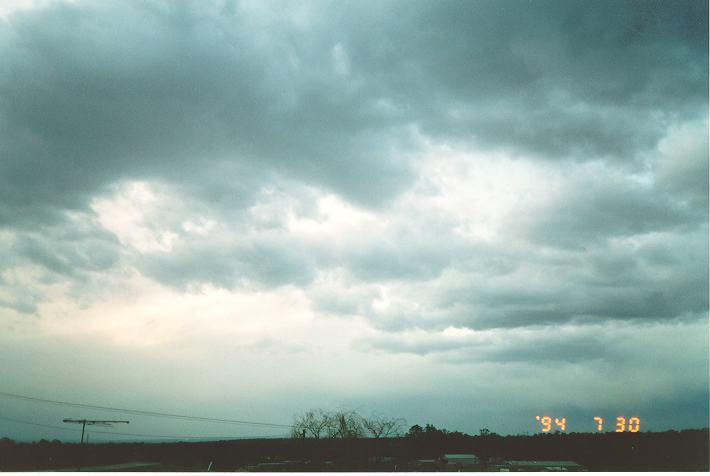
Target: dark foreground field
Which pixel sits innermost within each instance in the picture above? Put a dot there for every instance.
(668, 451)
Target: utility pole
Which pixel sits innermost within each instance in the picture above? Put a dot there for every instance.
(85, 422)
(92, 422)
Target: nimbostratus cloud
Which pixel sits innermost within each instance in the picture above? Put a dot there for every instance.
(216, 102)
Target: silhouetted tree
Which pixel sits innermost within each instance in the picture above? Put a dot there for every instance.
(431, 430)
(312, 424)
(342, 424)
(382, 427)
(345, 424)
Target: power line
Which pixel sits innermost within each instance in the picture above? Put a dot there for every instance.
(145, 412)
(188, 437)
(143, 435)
(39, 424)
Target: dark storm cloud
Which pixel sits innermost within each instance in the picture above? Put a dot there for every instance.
(219, 99)
(93, 94)
(607, 283)
(96, 93)
(659, 277)
(605, 208)
(553, 79)
(78, 252)
(69, 253)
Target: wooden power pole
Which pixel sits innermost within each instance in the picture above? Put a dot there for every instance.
(92, 422)
(85, 422)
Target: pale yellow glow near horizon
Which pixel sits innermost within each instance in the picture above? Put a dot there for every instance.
(149, 315)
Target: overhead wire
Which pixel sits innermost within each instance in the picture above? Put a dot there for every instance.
(144, 412)
(182, 438)
(39, 424)
(142, 435)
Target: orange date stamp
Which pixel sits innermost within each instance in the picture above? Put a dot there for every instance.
(548, 424)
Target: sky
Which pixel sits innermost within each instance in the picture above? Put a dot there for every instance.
(463, 213)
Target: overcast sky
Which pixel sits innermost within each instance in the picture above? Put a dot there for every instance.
(460, 213)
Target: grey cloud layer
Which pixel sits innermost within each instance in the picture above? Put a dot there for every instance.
(93, 93)
(220, 99)
(97, 93)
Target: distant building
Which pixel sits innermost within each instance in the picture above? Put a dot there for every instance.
(456, 462)
(519, 465)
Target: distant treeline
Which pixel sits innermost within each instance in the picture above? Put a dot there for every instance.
(661, 451)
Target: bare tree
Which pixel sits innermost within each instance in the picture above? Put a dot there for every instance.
(382, 427)
(312, 424)
(345, 424)
(321, 424)
(317, 424)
